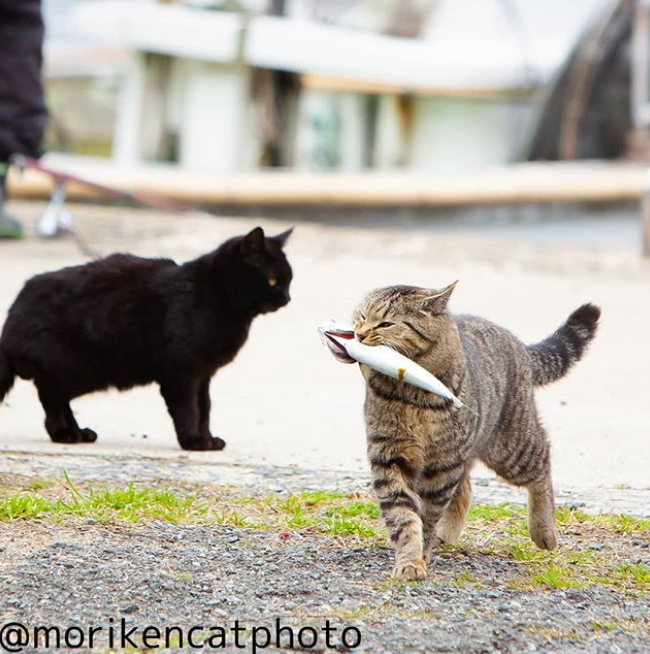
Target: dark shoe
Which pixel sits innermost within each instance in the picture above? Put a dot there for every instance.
(10, 227)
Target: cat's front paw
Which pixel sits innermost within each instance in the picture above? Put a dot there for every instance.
(410, 571)
(217, 443)
(545, 537)
(203, 444)
(88, 435)
(67, 436)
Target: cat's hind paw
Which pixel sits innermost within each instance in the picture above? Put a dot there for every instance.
(70, 436)
(212, 443)
(410, 571)
(88, 435)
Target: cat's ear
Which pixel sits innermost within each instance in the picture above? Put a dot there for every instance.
(281, 239)
(437, 302)
(253, 242)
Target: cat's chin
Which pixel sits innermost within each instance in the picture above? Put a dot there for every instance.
(271, 309)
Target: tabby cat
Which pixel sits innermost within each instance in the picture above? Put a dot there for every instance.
(422, 449)
(125, 321)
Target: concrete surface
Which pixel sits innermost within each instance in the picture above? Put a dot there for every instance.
(285, 401)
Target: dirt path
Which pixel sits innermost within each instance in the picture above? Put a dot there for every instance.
(285, 402)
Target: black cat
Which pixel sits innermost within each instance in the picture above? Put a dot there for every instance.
(124, 321)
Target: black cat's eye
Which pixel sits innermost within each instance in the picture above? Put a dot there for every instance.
(273, 282)
(383, 325)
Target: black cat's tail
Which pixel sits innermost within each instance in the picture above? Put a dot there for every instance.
(554, 356)
(7, 374)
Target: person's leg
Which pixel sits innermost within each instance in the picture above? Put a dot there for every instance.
(23, 114)
(22, 107)
(9, 227)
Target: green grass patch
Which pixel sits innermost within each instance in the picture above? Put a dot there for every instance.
(496, 512)
(466, 579)
(302, 502)
(623, 524)
(636, 573)
(522, 551)
(605, 627)
(331, 513)
(39, 484)
(236, 520)
(572, 568)
(566, 516)
(551, 633)
(620, 523)
(131, 505)
(556, 576)
(510, 517)
(356, 509)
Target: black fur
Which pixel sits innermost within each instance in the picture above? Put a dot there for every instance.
(125, 321)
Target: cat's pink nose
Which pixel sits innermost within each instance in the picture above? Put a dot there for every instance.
(362, 334)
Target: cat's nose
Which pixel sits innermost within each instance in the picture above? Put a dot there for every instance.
(362, 334)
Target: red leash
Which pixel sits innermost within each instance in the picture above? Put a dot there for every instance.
(147, 199)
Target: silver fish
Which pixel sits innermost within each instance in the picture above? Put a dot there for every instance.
(345, 348)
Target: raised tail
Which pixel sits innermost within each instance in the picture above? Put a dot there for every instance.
(7, 375)
(554, 356)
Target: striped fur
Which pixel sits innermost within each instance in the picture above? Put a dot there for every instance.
(422, 449)
(552, 358)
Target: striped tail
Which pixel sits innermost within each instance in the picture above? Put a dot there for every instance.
(554, 356)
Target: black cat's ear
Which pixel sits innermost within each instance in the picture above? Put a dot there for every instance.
(253, 242)
(437, 302)
(281, 239)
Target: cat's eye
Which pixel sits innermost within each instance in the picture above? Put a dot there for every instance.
(383, 325)
(273, 282)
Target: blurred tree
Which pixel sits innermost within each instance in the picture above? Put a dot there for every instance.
(277, 93)
(587, 114)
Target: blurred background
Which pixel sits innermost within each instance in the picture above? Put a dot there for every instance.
(232, 85)
(448, 99)
(502, 142)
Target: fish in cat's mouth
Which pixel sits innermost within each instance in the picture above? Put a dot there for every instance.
(339, 352)
(341, 342)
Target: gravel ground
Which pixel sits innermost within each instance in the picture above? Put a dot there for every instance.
(79, 573)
